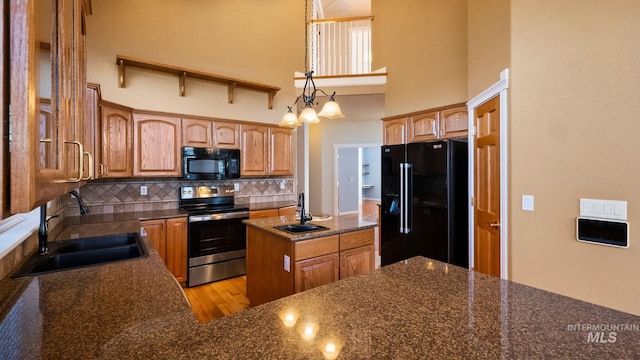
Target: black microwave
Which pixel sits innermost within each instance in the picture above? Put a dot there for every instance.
(210, 164)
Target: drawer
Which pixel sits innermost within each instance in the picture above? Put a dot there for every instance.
(355, 239)
(307, 249)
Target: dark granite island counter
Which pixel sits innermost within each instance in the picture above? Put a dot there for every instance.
(416, 309)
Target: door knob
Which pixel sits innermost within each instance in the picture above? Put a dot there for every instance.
(494, 224)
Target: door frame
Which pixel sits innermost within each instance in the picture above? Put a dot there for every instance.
(499, 88)
(336, 147)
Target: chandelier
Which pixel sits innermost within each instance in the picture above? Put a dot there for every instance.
(330, 110)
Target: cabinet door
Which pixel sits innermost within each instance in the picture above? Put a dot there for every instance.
(254, 150)
(156, 145)
(155, 230)
(356, 261)
(424, 127)
(281, 151)
(46, 64)
(197, 133)
(226, 135)
(454, 122)
(176, 248)
(115, 157)
(394, 131)
(316, 272)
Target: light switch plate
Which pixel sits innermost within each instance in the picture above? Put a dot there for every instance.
(527, 202)
(236, 187)
(143, 190)
(603, 209)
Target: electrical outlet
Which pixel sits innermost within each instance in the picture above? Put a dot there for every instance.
(143, 190)
(142, 231)
(287, 263)
(283, 184)
(48, 204)
(236, 187)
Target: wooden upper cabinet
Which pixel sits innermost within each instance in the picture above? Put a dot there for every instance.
(156, 145)
(115, 160)
(226, 135)
(394, 131)
(280, 151)
(254, 151)
(454, 122)
(197, 133)
(424, 127)
(47, 155)
(427, 125)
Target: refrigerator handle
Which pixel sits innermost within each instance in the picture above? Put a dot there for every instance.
(402, 173)
(408, 189)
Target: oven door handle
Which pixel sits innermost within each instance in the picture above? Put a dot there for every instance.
(222, 216)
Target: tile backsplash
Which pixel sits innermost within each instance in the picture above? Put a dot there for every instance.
(106, 196)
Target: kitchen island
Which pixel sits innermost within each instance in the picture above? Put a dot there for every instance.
(280, 263)
(414, 309)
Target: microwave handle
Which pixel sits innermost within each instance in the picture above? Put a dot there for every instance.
(226, 166)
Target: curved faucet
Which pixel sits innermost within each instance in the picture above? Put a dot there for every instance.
(303, 218)
(43, 231)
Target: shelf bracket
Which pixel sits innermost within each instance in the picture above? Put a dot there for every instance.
(271, 95)
(231, 87)
(121, 74)
(183, 78)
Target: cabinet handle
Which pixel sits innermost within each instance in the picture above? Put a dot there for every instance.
(100, 169)
(80, 163)
(88, 154)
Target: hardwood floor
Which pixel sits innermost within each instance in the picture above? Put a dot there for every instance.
(370, 210)
(218, 299)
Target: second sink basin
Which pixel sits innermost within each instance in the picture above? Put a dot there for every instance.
(300, 228)
(78, 253)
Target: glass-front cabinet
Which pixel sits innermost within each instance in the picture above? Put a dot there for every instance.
(48, 82)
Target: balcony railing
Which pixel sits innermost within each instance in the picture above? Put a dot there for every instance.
(340, 46)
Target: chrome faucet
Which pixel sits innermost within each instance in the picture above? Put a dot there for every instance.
(303, 217)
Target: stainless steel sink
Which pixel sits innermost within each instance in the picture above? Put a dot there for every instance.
(300, 228)
(79, 253)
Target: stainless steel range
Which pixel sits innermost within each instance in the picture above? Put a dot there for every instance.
(216, 234)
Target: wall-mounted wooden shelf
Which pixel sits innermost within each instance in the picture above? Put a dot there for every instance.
(182, 73)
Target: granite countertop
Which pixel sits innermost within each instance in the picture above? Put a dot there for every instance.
(336, 225)
(414, 309)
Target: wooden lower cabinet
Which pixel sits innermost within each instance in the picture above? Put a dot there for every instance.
(316, 272)
(357, 261)
(265, 213)
(169, 238)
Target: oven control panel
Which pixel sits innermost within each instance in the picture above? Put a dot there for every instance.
(200, 192)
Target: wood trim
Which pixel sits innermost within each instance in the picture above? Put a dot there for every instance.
(440, 108)
(232, 83)
(4, 113)
(114, 105)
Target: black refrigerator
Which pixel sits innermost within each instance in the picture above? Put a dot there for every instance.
(425, 202)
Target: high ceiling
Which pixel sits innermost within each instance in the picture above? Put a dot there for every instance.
(343, 8)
